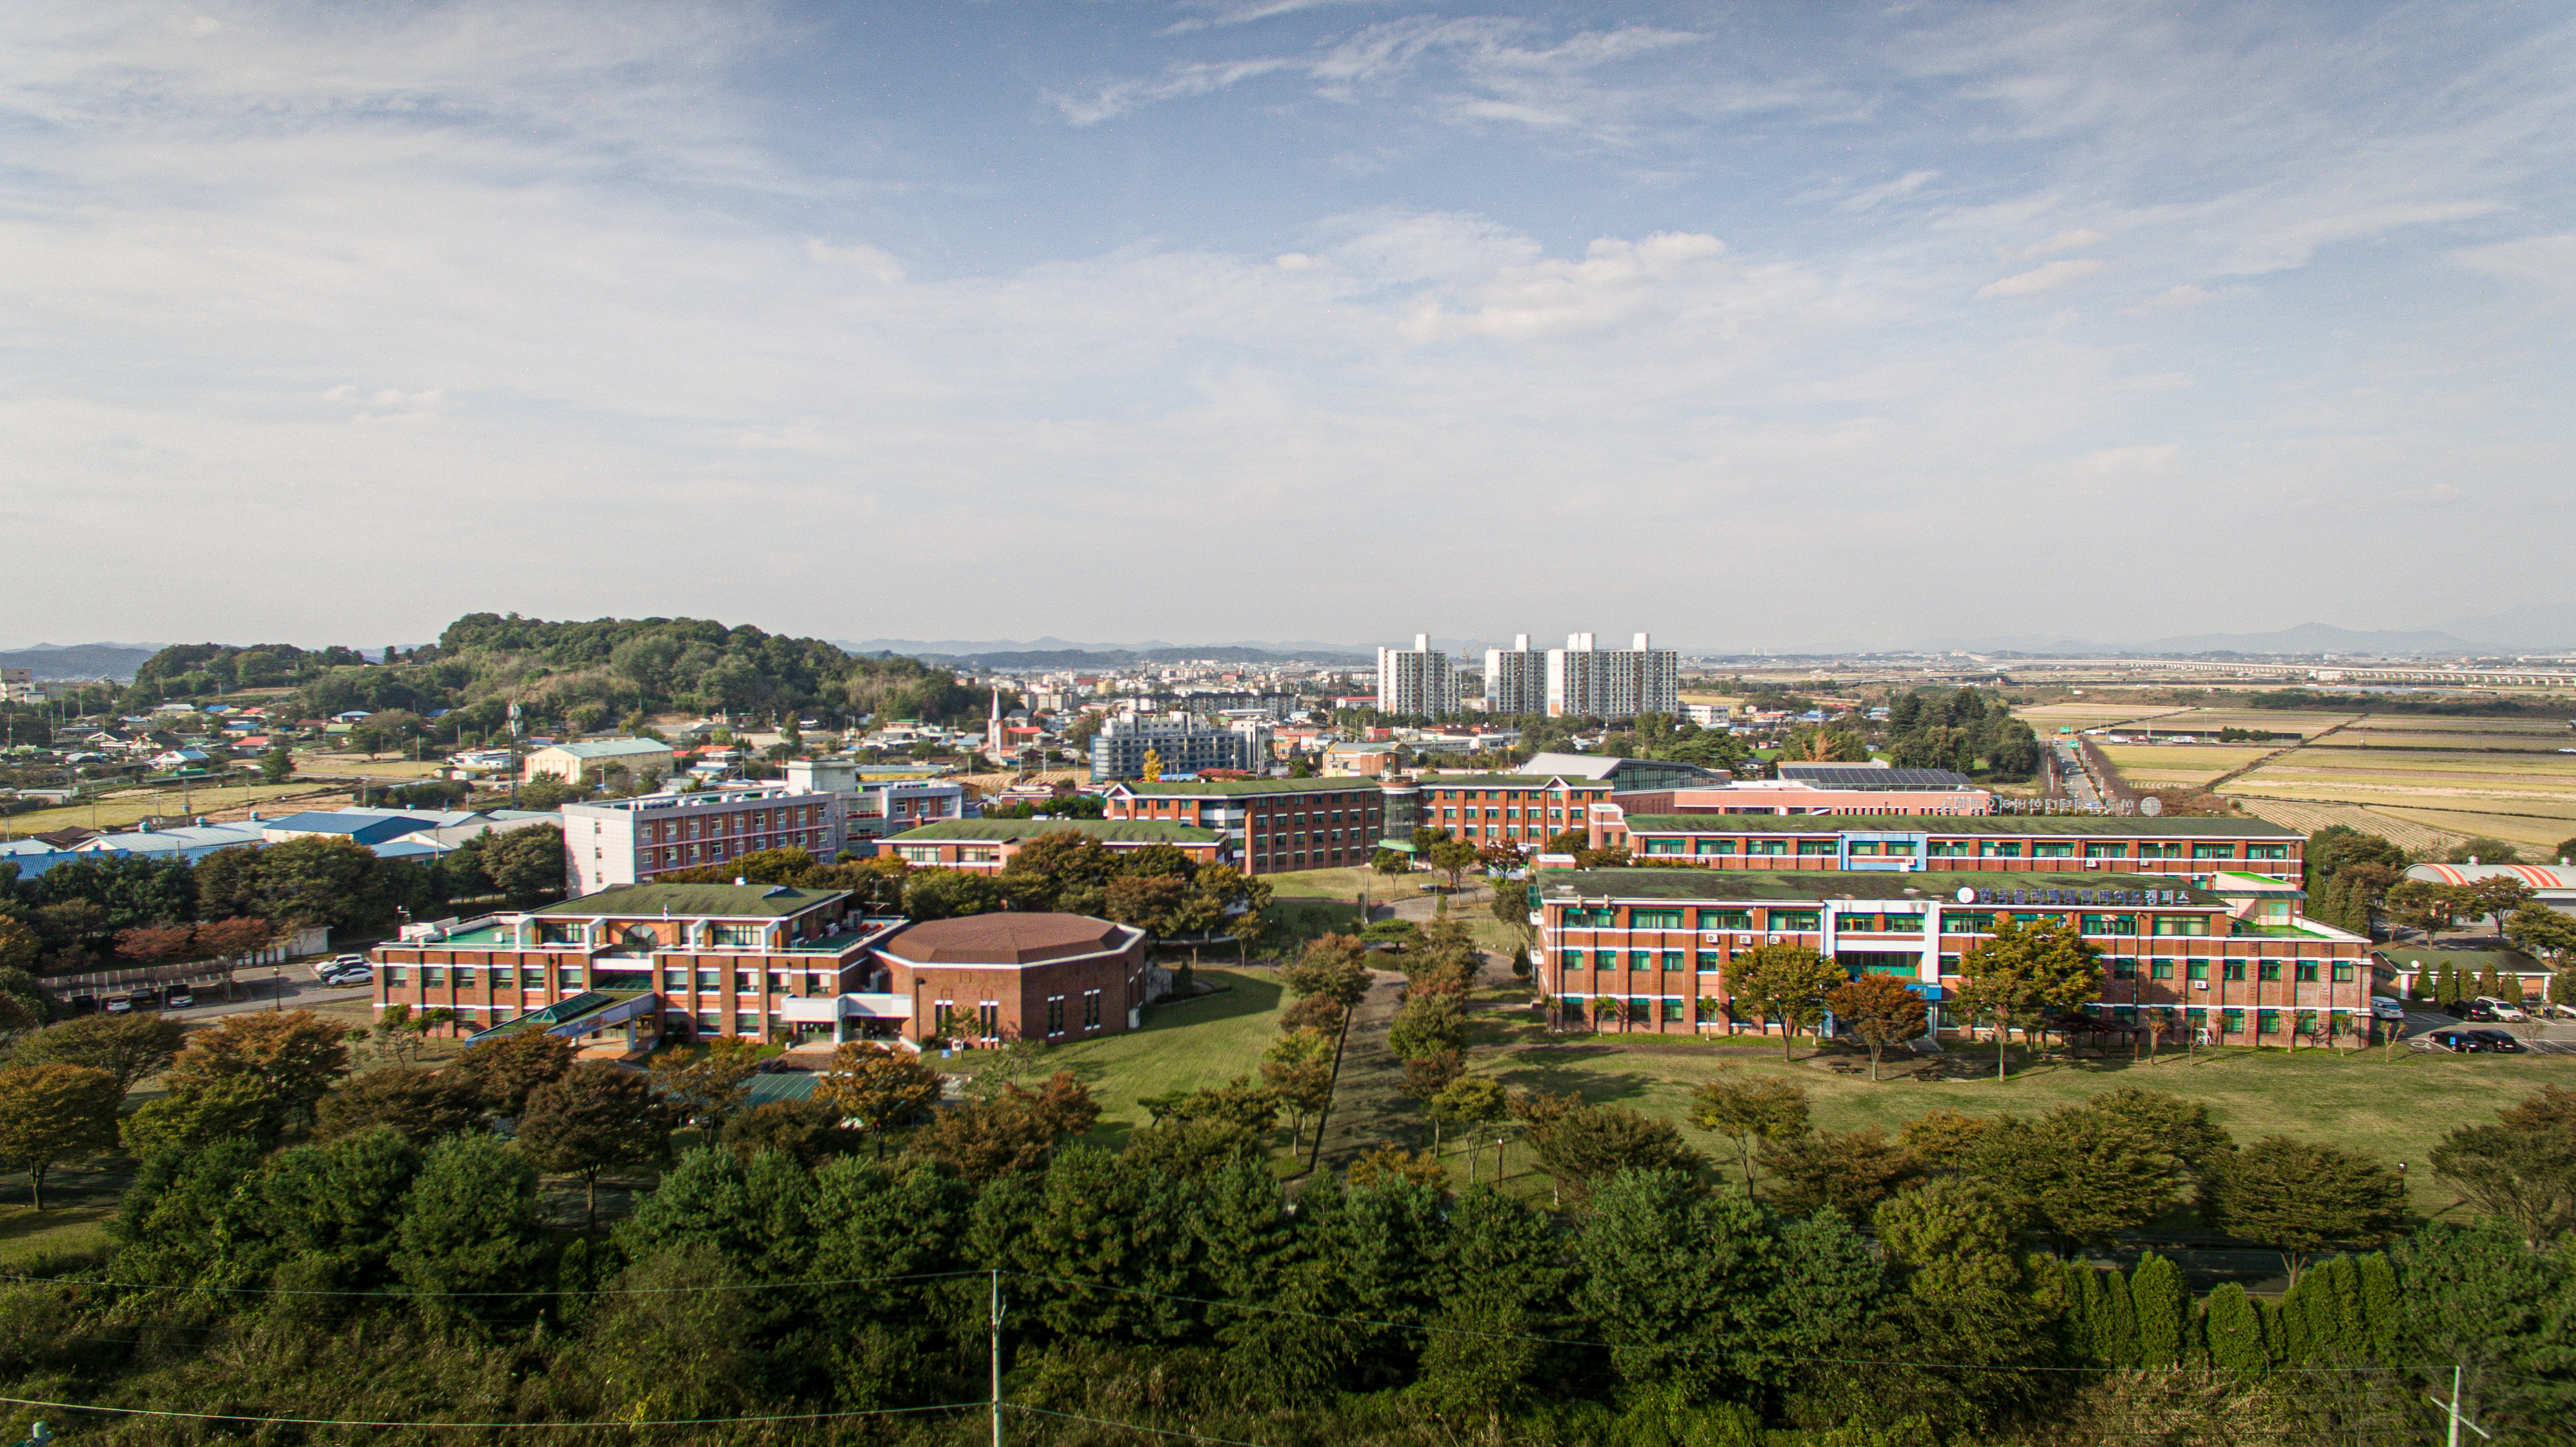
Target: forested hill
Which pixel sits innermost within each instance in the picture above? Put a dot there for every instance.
(571, 673)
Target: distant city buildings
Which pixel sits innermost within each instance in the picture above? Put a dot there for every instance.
(1181, 743)
(1611, 684)
(1515, 679)
(1415, 680)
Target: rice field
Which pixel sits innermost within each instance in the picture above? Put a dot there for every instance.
(2309, 818)
(2173, 766)
(2206, 721)
(2426, 782)
(2048, 718)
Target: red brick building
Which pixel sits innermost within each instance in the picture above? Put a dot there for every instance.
(1271, 826)
(646, 960)
(2184, 849)
(1654, 944)
(1522, 809)
(985, 846)
(989, 978)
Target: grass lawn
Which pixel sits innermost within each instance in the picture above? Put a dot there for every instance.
(78, 1201)
(2396, 1109)
(1185, 1045)
(1341, 884)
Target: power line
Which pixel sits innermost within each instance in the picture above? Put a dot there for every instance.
(341, 1422)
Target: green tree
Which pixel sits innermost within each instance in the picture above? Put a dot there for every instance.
(1787, 983)
(2021, 973)
(2542, 931)
(1881, 1012)
(808, 1131)
(2525, 1177)
(2234, 1330)
(1015, 1132)
(1431, 1022)
(131, 1047)
(1850, 1171)
(2084, 1173)
(52, 1115)
(417, 1104)
(711, 1082)
(255, 1074)
(1472, 1103)
(930, 894)
(599, 1116)
(881, 1090)
(1747, 1111)
(277, 765)
(1299, 1068)
(526, 865)
(20, 947)
(471, 1236)
(2304, 1196)
(1595, 1142)
(507, 1069)
(2162, 1303)
(1333, 970)
(1189, 1148)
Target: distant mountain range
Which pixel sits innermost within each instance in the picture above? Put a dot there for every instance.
(115, 661)
(1059, 653)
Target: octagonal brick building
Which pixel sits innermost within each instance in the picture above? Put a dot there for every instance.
(988, 978)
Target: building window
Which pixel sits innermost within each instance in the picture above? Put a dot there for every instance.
(2267, 1022)
(1055, 1015)
(745, 983)
(393, 974)
(1673, 1007)
(1707, 963)
(505, 977)
(1605, 959)
(941, 1021)
(709, 981)
(2160, 970)
(2342, 973)
(2269, 970)
(2213, 851)
(2232, 1021)
(2307, 972)
(433, 974)
(2199, 969)
(1091, 1009)
(1672, 959)
(1654, 919)
(2232, 969)
(1573, 959)
(1641, 959)
(675, 980)
(2124, 969)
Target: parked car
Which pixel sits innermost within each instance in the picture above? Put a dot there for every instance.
(359, 976)
(120, 1005)
(2504, 1009)
(2479, 1010)
(2384, 1008)
(179, 1002)
(337, 964)
(2474, 1042)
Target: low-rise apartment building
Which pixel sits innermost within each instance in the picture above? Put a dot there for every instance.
(986, 846)
(1270, 826)
(872, 808)
(1656, 943)
(1180, 743)
(2183, 849)
(570, 762)
(610, 842)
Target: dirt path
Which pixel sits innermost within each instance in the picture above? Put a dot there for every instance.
(1368, 1097)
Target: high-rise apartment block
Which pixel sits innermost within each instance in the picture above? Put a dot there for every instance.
(1515, 678)
(1611, 684)
(1415, 680)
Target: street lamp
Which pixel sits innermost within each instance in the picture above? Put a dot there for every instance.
(276, 988)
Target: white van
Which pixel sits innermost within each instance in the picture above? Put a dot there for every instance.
(2384, 1008)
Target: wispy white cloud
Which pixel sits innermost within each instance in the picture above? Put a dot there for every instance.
(2038, 279)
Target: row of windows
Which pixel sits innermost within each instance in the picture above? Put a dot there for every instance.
(747, 821)
(1090, 1012)
(2304, 972)
(1946, 849)
(571, 977)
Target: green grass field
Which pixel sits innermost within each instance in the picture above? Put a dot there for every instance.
(2164, 765)
(2396, 1109)
(1342, 884)
(1185, 1045)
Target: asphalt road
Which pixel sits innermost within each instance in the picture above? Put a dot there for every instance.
(2079, 784)
(259, 992)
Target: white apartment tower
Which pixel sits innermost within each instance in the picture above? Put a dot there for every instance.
(1515, 679)
(1415, 680)
(1612, 684)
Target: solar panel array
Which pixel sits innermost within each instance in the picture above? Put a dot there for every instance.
(1850, 776)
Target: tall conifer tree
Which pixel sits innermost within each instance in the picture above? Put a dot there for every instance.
(2163, 1307)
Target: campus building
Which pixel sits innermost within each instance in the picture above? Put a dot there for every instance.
(1648, 949)
(1270, 826)
(646, 961)
(1794, 797)
(610, 842)
(872, 808)
(1416, 680)
(1522, 809)
(1611, 684)
(571, 762)
(989, 978)
(986, 846)
(1181, 743)
(2184, 850)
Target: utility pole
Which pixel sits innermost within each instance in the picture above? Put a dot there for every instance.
(997, 1360)
(2450, 1409)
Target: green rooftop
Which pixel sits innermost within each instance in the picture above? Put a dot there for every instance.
(1510, 781)
(1770, 886)
(2121, 826)
(1108, 831)
(1162, 787)
(720, 901)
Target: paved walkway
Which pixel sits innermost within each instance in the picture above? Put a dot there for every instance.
(1368, 1098)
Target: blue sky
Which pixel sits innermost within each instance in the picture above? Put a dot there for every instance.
(1751, 325)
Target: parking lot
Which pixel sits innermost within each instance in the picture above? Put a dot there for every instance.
(2539, 1037)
